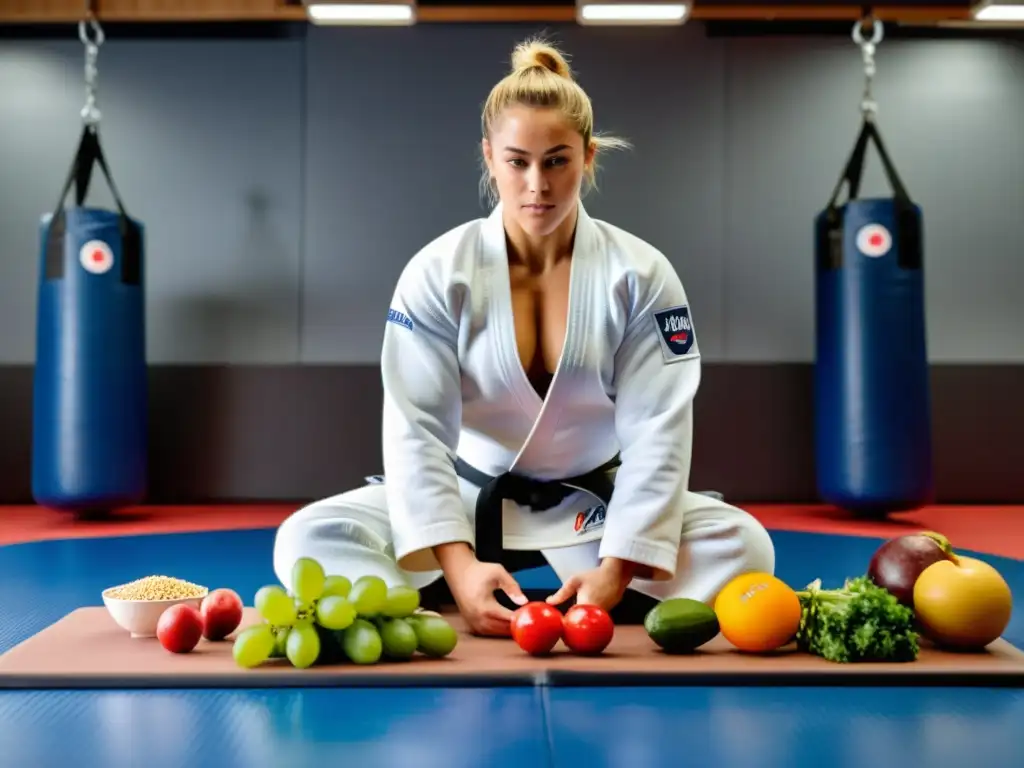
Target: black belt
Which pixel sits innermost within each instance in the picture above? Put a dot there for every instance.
(538, 495)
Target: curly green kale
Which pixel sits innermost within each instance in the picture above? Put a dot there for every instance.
(860, 622)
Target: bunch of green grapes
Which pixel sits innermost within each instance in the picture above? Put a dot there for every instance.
(328, 619)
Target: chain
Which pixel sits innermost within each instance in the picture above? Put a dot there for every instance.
(90, 112)
(868, 105)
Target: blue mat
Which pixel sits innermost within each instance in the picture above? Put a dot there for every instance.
(43, 581)
(787, 728)
(595, 727)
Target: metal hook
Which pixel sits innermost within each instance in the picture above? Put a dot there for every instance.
(876, 31)
(90, 22)
(90, 112)
(869, 107)
(97, 31)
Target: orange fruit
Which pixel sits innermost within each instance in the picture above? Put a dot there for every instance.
(758, 612)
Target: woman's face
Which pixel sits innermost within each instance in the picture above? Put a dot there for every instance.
(538, 162)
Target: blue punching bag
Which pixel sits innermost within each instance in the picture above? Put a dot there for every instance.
(872, 393)
(89, 452)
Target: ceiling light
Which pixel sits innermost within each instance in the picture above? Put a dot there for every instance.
(632, 12)
(362, 12)
(996, 11)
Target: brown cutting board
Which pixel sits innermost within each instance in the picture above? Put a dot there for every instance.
(86, 649)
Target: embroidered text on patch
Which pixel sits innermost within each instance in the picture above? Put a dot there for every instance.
(399, 318)
(676, 331)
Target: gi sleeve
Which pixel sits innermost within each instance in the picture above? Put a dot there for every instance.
(422, 418)
(657, 375)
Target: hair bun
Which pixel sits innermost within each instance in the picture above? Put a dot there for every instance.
(535, 54)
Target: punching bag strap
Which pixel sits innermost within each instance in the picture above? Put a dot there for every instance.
(80, 174)
(854, 171)
(908, 225)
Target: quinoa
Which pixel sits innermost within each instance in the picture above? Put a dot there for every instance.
(156, 588)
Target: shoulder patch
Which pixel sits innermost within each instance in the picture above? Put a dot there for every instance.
(675, 331)
(399, 318)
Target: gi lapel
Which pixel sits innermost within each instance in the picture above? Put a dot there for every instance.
(543, 412)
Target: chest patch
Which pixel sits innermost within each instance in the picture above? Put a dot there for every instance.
(675, 330)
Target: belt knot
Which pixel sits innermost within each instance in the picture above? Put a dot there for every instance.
(538, 495)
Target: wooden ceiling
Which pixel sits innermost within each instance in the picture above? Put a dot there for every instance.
(458, 11)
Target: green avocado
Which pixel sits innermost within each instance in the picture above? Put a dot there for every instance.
(681, 625)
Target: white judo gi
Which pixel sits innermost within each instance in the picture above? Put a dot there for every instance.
(454, 386)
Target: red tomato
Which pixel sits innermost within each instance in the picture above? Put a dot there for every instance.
(537, 627)
(587, 629)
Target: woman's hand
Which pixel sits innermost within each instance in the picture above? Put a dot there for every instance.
(473, 584)
(603, 586)
(473, 589)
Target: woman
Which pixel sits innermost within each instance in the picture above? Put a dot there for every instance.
(539, 369)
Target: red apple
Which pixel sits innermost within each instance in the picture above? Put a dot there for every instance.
(898, 563)
(180, 628)
(222, 613)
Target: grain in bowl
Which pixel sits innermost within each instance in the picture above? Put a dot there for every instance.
(156, 588)
(137, 605)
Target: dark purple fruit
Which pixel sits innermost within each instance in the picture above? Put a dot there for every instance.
(897, 564)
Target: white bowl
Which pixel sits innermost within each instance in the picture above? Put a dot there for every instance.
(140, 617)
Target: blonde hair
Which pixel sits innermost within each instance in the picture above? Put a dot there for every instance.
(541, 77)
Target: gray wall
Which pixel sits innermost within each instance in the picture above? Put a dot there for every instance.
(284, 183)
